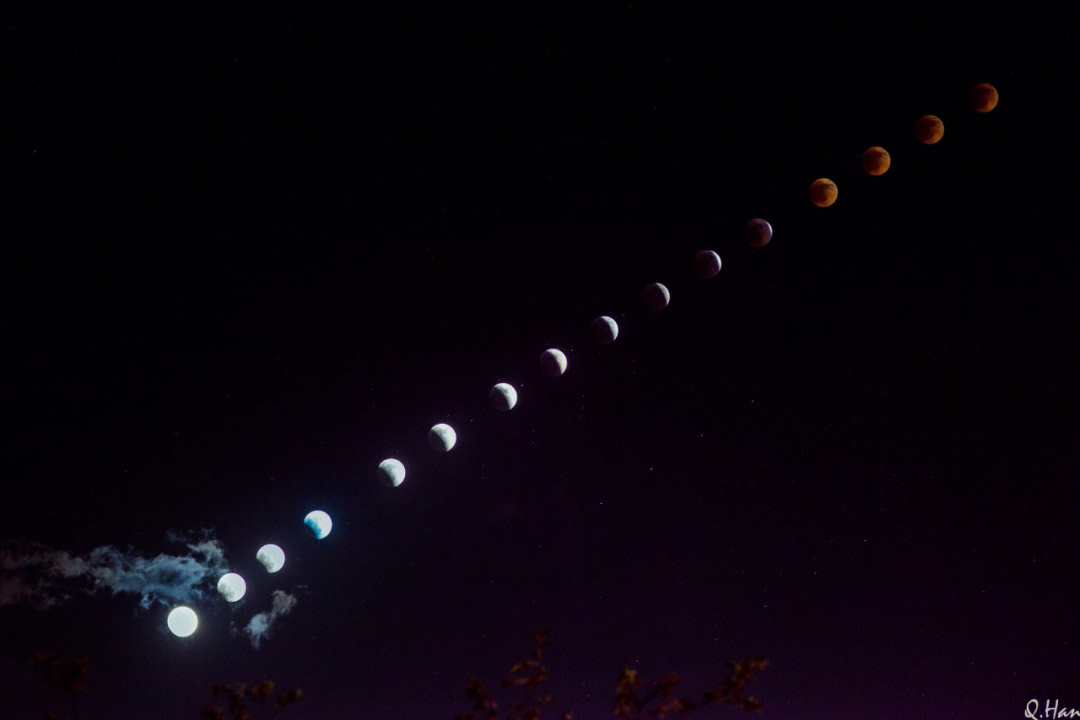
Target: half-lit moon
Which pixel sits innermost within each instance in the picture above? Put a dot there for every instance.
(318, 524)
(503, 397)
(182, 621)
(271, 557)
(604, 330)
(552, 362)
(231, 587)
(391, 472)
(442, 438)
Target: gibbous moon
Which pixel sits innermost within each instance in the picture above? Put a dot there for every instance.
(391, 472)
(929, 129)
(503, 397)
(441, 438)
(553, 362)
(758, 233)
(875, 161)
(823, 192)
(706, 264)
(271, 557)
(984, 97)
(318, 523)
(604, 330)
(657, 297)
(232, 587)
(182, 621)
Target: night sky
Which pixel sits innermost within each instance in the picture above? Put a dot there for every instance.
(243, 266)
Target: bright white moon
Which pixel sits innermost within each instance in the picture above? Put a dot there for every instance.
(391, 472)
(503, 397)
(318, 523)
(553, 362)
(442, 438)
(272, 557)
(232, 587)
(182, 621)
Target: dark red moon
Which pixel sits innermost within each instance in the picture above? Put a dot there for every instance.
(929, 129)
(758, 233)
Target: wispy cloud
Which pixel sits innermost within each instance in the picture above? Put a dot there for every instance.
(259, 627)
(36, 575)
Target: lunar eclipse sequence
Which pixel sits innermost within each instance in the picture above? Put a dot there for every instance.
(182, 620)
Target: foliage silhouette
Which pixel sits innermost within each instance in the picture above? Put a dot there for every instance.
(627, 702)
(67, 676)
(238, 695)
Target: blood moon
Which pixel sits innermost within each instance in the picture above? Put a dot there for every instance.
(875, 161)
(983, 97)
(757, 232)
(823, 192)
(929, 129)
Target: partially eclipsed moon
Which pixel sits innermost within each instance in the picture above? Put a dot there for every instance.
(604, 330)
(391, 472)
(232, 587)
(271, 557)
(318, 523)
(442, 438)
(657, 297)
(503, 397)
(182, 621)
(553, 362)
(758, 232)
(984, 97)
(706, 264)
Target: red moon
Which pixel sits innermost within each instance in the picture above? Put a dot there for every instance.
(984, 97)
(929, 129)
(875, 161)
(758, 233)
(823, 192)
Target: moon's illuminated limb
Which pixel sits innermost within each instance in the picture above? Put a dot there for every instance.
(272, 557)
(231, 586)
(318, 523)
(503, 397)
(391, 472)
(442, 438)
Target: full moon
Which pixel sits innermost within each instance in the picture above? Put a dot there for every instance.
(984, 97)
(553, 362)
(604, 330)
(758, 232)
(441, 438)
(271, 557)
(503, 397)
(875, 161)
(657, 297)
(929, 129)
(182, 621)
(391, 472)
(823, 192)
(232, 587)
(318, 523)
(706, 264)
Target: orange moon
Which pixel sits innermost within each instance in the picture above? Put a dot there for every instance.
(875, 161)
(983, 97)
(823, 192)
(929, 129)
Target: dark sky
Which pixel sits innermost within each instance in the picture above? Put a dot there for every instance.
(241, 267)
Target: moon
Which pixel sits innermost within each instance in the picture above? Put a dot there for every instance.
(706, 264)
(182, 621)
(391, 472)
(823, 192)
(503, 397)
(929, 129)
(271, 557)
(604, 330)
(758, 232)
(984, 97)
(318, 523)
(552, 362)
(876, 160)
(657, 297)
(232, 587)
(442, 438)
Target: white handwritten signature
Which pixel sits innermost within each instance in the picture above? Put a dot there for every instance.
(1051, 709)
